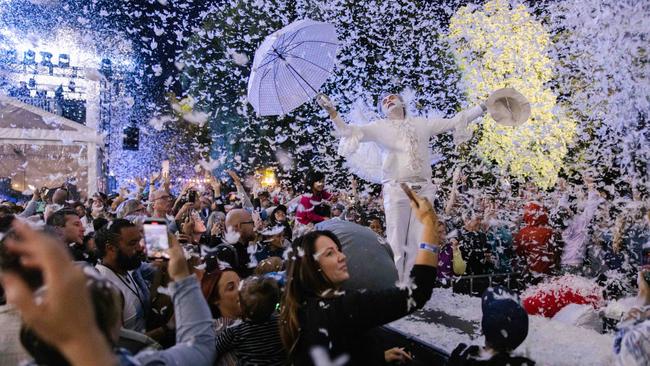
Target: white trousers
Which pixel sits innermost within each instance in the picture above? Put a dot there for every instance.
(403, 230)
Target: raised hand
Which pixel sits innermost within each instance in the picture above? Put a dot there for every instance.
(140, 183)
(63, 315)
(155, 176)
(257, 221)
(37, 194)
(423, 209)
(214, 183)
(234, 176)
(354, 184)
(325, 102)
(177, 267)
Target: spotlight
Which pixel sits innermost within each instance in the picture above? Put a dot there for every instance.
(46, 58)
(30, 57)
(64, 60)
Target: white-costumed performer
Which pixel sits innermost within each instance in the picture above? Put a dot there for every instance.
(403, 142)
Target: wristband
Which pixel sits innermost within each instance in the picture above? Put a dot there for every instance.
(432, 248)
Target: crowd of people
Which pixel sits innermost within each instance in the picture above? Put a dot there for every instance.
(264, 275)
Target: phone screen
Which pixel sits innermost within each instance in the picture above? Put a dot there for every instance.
(155, 239)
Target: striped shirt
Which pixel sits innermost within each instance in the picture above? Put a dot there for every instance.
(253, 343)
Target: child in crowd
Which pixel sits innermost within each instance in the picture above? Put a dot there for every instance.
(505, 326)
(256, 339)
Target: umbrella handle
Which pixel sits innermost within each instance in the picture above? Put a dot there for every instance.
(324, 101)
(321, 96)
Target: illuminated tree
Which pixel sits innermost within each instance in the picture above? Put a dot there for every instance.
(502, 45)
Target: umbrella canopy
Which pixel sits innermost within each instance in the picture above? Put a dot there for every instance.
(290, 66)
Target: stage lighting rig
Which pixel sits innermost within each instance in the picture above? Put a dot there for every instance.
(29, 58)
(64, 60)
(106, 67)
(46, 60)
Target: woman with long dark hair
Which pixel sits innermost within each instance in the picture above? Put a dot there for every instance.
(315, 314)
(221, 290)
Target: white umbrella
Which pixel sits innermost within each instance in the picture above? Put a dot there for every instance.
(290, 66)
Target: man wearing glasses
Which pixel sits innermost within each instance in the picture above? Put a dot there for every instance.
(240, 233)
(161, 204)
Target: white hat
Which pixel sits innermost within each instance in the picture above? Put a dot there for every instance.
(508, 107)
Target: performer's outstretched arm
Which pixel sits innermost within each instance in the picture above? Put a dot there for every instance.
(340, 125)
(459, 121)
(351, 135)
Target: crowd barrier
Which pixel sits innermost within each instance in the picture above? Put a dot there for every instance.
(475, 284)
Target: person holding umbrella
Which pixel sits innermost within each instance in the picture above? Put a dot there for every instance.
(404, 144)
(291, 65)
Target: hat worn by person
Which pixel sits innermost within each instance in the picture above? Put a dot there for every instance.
(508, 107)
(504, 322)
(278, 208)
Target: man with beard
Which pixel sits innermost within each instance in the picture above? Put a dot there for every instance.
(118, 246)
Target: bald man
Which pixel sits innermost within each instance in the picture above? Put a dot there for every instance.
(58, 202)
(240, 227)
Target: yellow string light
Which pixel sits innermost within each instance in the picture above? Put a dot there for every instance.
(268, 178)
(504, 46)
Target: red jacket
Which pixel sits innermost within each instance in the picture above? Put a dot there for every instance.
(305, 212)
(532, 242)
(550, 297)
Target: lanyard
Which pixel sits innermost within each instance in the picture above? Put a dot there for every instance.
(133, 289)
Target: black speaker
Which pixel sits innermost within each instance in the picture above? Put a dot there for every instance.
(131, 138)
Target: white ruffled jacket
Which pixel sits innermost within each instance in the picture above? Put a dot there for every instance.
(403, 144)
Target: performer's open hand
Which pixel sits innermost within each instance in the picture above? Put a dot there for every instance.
(326, 103)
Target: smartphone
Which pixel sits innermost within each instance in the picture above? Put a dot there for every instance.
(40, 207)
(156, 238)
(409, 193)
(191, 196)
